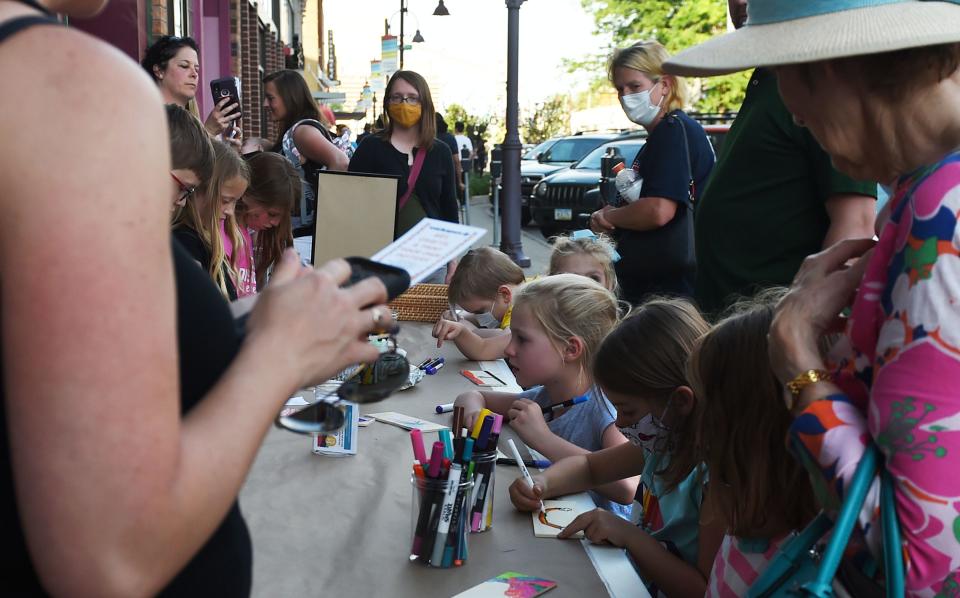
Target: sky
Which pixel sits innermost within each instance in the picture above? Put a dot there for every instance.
(464, 56)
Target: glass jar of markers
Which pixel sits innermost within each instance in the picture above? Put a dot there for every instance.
(439, 520)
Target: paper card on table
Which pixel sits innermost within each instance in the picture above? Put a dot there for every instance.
(500, 369)
(556, 515)
(426, 247)
(407, 422)
(343, 442)
(482, 378)
(510, 583)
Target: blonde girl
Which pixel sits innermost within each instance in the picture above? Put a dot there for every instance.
(641, 368)
(265, 210)
(756, 487)
(558, 322)
(588, 255)
(206, 226)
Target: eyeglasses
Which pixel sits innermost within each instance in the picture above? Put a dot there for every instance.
(185, 190)
(399, 99)
(368, 384)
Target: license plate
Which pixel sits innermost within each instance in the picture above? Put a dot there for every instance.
(563, 214)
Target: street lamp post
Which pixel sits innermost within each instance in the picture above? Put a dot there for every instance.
(510, 239)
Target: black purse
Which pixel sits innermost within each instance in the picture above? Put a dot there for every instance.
(669, 250)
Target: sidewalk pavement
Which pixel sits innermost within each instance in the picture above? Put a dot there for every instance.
(534, 245)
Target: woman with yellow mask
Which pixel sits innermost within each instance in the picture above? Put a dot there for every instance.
(407, 148)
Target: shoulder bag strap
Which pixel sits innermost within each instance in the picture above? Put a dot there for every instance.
(847, 519)
(418, 161)
(315, 124)
(686, 147)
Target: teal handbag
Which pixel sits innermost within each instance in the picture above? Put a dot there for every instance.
(799, 569)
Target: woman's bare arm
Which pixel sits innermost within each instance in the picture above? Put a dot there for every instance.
(129, 491)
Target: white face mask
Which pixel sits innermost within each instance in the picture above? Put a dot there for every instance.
(487, 320)
(638, 108)
(649, 433)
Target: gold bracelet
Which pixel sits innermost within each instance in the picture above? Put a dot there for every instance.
(805, 379)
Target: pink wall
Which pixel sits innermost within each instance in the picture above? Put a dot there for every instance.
(123, 23)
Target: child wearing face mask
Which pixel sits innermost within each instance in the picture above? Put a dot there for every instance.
(208, 230)
(760, 491)
(641, 368)
(484, 285)
(558, 322)
(587, 254)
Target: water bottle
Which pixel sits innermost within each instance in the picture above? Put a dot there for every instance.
(627, 182)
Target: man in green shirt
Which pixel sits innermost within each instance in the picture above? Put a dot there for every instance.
(773, 199)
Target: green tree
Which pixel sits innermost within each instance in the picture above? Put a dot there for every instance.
(549, 119)
(456, 112)
(677, 24)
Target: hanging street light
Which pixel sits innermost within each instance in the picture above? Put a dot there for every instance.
(441, 10)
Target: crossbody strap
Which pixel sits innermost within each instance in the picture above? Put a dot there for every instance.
(686, 146)
(418, 161)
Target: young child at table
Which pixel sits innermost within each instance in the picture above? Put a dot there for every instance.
(558, 323)
(587, 254)
(207, 227)
(485, 282)
(641, 368)
(756, 487)
(264, 211)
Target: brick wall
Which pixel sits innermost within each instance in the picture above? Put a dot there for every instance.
(245, 57)
(159, 15)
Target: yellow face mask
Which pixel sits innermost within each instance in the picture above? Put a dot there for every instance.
(405, 115)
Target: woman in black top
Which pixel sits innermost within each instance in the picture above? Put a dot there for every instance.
(654, 234)
(131, 411)
(174, 64)
(411, 127)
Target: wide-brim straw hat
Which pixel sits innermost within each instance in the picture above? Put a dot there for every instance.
(781, 32)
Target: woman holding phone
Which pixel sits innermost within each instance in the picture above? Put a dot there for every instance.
(174, 64)
(120, 346)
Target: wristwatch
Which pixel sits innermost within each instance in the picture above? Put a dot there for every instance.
(803, 380)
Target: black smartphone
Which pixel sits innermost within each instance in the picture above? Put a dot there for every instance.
(227, 87)
(397, 280)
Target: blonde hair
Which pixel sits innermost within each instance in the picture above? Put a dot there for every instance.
(570, 305)
(480, 273)
(648, 58)
(203, 215)
(742, 424)
(646, 356)
(599, 247)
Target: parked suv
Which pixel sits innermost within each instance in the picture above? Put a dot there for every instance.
(548, 157)
(565, 199)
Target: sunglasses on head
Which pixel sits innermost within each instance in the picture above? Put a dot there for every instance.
(369, 383)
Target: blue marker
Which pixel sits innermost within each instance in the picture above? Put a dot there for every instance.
(561, 406)
(434, 367)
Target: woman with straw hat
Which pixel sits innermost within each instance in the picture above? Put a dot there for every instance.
(877, 83)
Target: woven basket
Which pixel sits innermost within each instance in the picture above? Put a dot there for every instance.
(421, 303)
